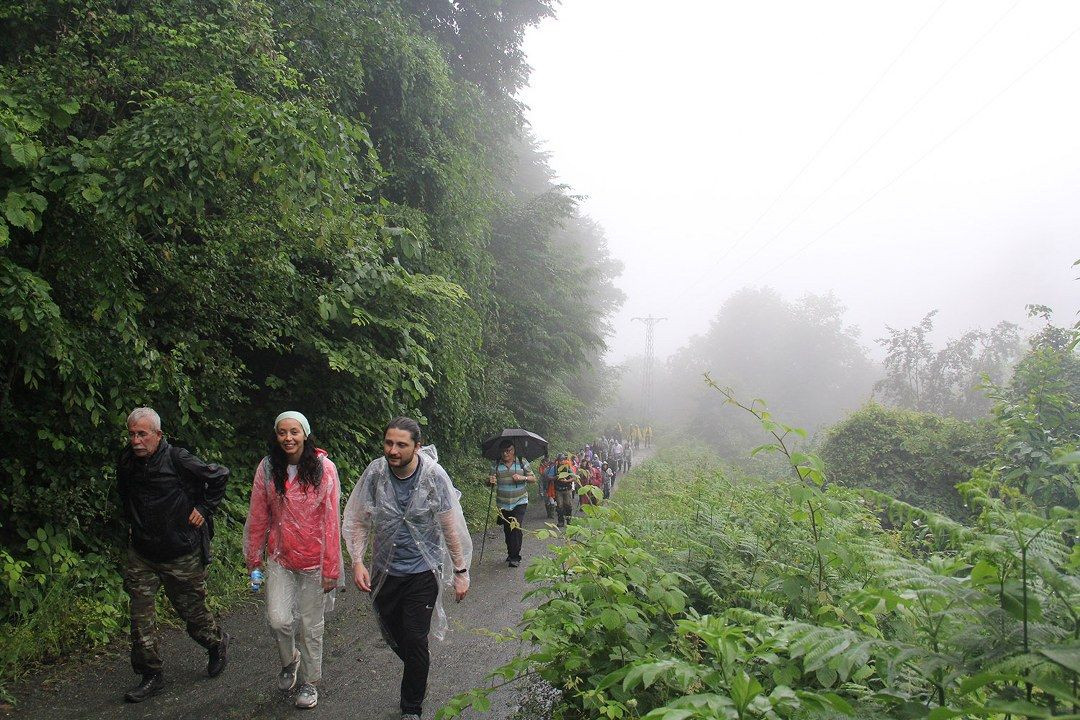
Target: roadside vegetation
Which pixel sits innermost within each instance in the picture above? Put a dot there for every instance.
(916, 457)
(706, 592)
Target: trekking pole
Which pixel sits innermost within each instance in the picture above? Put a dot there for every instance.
(487, 519)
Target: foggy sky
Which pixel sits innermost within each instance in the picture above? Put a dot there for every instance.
(906, 156)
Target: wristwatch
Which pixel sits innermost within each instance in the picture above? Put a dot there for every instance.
(462, 571)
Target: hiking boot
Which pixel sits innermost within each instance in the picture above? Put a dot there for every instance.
(287, 679)
(513, 563)
(151, 684)
(218, 656)
(410, 716)
(308, 696)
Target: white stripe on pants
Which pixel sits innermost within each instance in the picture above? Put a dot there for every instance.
(294, 602)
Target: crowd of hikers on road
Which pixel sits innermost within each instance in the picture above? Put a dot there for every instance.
(404, 508)
(560, 480)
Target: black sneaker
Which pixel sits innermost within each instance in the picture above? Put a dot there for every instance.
(218, 656)
(151, 685)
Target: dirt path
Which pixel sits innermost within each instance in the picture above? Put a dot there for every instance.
(360, 673)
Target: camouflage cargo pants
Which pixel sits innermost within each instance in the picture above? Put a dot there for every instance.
(564, 504)
(185, 585)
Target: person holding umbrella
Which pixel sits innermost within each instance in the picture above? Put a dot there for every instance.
(526, 446)
(510, 477)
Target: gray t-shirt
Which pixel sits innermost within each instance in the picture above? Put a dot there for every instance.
(407, 559)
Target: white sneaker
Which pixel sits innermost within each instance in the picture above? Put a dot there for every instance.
(308, 696)
(287, 679)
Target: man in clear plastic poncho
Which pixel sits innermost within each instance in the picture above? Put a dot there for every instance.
(407, 505)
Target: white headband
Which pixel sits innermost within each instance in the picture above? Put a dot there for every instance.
(298, 417)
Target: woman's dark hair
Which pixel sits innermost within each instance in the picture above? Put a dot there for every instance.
(505, 444)
(308, 470)
(404, 423)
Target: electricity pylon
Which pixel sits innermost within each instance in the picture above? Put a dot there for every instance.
(647, 379)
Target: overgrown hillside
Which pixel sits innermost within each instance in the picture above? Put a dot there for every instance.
(228, 209)
(702, 592)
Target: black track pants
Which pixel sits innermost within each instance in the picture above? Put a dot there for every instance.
(404, 605)
(512, 530)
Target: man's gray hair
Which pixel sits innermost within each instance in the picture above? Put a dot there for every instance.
(145, 413)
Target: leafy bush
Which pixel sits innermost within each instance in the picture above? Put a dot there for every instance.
(915, 457)
(700, 595)
(1039, 414)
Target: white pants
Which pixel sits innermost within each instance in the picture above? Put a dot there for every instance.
(294, 603)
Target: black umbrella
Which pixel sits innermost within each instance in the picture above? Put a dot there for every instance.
(526, 444)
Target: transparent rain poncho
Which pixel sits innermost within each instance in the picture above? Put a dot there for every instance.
(433, 518)
(300, 530)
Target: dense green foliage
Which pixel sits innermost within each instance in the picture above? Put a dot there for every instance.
(703, 593)
(1039, 413)
(915, 457)
(919, 457)
(226, 209)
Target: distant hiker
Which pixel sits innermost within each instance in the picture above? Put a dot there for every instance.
(609, 479)
(592, 478)
(407, 505)
(617, 454)
(294, 516)
(547, 474)
(168, 497)
(584, 475)
(566, 480)
(510, 478)
(628, 458)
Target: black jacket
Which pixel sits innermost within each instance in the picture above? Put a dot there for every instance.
(158, 494)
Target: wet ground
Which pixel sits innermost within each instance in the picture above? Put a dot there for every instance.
(360, 673)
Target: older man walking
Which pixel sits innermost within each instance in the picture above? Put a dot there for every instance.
(168, 497)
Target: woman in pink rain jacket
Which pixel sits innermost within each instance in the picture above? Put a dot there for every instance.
(295, 518)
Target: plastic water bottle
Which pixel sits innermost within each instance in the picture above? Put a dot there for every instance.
(256, 580)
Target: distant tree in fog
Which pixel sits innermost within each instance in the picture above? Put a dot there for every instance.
(798, 356)
(947, 381)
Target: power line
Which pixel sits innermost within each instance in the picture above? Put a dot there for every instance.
(922, 157)
(757, 251)
(822, 147)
